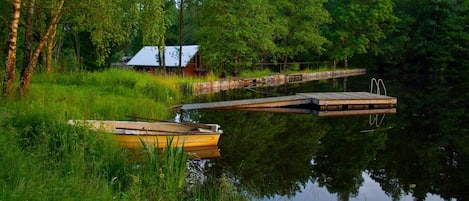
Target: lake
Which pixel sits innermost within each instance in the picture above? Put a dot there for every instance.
(419, 153)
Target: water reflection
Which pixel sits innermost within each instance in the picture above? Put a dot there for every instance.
(420, 151)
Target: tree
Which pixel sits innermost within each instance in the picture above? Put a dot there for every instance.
(27, 72)
(9, 81)
(181, 21)
(234, 34)
(36, 17)
(358, 26)
(5, 13)
(297, 28)
(104, 25)
(430, 37)
(153, 25)
(28, 33)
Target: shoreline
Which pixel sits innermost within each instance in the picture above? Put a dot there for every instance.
(271, 80)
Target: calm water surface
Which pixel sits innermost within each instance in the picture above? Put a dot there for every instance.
(419, 153)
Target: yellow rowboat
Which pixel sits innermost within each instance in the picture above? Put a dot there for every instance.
(133, 134)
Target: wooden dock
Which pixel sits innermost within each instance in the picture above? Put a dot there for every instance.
(327, 101)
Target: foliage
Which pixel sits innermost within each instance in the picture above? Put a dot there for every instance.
(236, 35)
(5, 9)
(105, 23)
(232, 35)
(297, 28)
(358, 26)
(430, 37)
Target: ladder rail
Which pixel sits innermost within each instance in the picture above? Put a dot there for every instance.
(378, 83)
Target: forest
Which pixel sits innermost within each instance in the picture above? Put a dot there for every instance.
(234, 36)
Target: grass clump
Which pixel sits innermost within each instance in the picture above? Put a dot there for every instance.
(256, 73)
(161, 176)
(224, 190)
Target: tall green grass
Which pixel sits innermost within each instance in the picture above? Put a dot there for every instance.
(44, 158)
(256, 73)
(160, 176)
(111, 94)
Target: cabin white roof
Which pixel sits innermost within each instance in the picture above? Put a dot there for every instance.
(148, 56)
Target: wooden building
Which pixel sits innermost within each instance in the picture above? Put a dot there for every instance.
(147, 59)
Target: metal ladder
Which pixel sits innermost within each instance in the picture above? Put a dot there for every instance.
(378, 83)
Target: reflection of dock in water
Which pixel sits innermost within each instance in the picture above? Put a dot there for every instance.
(203, 152)
(330, 113)
(321, 104)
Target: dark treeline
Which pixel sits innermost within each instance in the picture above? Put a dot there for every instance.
(418, 35)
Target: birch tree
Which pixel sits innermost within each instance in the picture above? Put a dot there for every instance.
(153, 25)
(27, 72)
(10, 66)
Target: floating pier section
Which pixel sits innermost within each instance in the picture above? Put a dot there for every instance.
(326, 101)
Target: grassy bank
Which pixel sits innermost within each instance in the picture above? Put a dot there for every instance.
(267, 72)
(111, 94)
(44, 158)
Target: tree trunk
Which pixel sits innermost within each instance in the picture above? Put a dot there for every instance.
(50, 44)
(27, 72)
(163, 57)
(181, 20)
(160, 57)
(285, 62)
(9, 81)
(28, 35)
(76, 48)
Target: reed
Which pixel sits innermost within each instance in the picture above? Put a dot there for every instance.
(160, 176)
(217, 189)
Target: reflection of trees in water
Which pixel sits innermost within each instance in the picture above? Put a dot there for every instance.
(429, 151)
(426, 151)
(343, 155)
(269, 154)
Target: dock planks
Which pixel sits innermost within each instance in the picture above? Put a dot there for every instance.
(324, 101)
